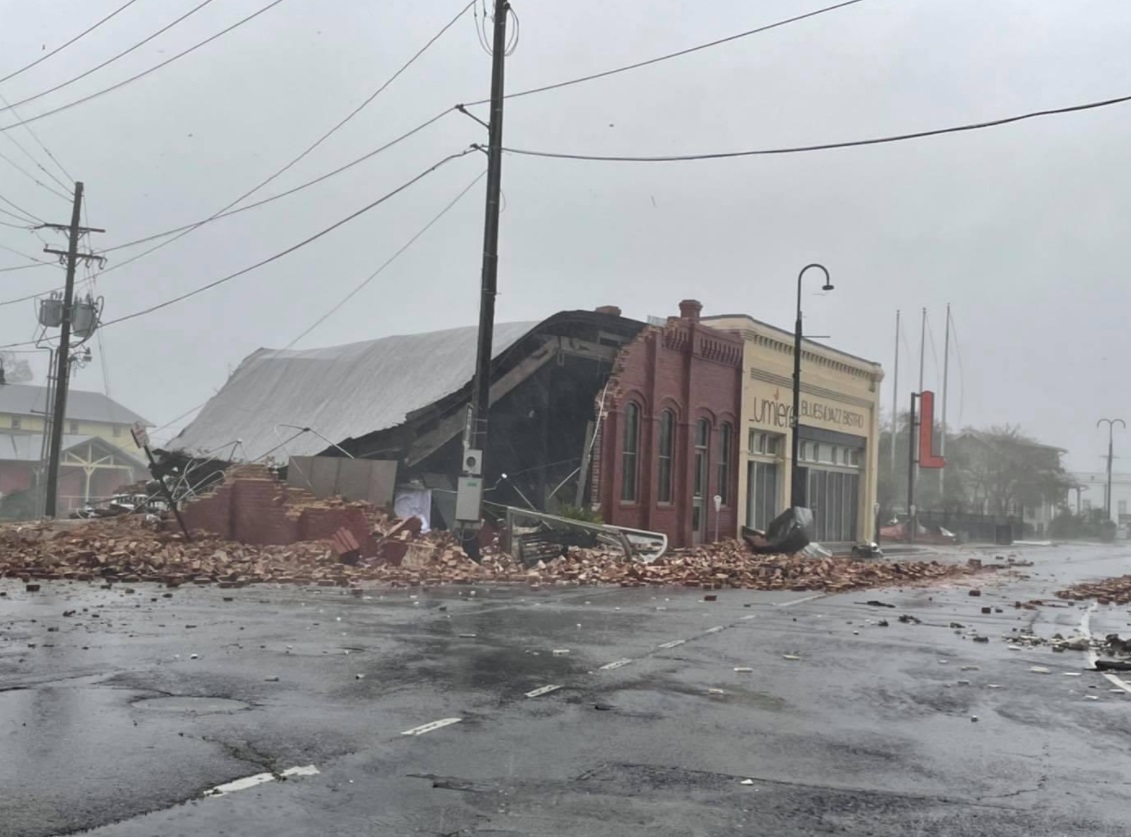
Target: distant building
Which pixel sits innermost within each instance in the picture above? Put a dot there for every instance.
(99, 454)
(1090, 490)
(1004, 492)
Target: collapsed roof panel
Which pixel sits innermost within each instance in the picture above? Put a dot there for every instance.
(355, 390)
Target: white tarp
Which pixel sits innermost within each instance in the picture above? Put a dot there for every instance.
(341, 392)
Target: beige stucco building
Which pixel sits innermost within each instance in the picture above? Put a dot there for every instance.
(839, 431)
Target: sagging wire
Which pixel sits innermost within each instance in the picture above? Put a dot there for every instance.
(483, 34)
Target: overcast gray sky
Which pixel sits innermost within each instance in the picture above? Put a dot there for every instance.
(1022, 228)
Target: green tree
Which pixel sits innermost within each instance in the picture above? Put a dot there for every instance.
(1004, 470)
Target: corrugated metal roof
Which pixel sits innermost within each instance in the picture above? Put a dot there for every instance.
(31, 400)
(341, 392)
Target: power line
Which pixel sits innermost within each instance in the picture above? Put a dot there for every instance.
(671, 55)
(224, 211)
(24, 267)
(359, 108)
(29, 175)
(59, 49)
(24, 255)
(144, 73)
(224, 214)
(290, 249)
(36, 162)
(110, 60)
(34, 219)
(387, 262)
(974, 126)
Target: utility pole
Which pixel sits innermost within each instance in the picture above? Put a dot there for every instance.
(63, 353)
(945, 377)
(469, 499)
(1110, 449)
(922, 358)
(912, 516)
(895, 401)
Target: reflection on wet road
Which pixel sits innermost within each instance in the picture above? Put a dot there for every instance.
(560, 712)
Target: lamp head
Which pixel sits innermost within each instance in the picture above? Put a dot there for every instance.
(828, 286)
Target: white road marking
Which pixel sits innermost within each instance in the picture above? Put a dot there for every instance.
(799, 601)
(616, 664)
(1086, 629)
(426, 728)
(259, 779)
(751, 616)
(545, 690)
(673, 644)
(715, 629)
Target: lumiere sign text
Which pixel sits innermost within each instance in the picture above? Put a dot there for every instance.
(777, 413)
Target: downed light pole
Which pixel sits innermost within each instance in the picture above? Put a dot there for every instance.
(469, 497)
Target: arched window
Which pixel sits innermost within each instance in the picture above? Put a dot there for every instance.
(630, 458)
(667, 452)
(702, 457)
(726, 446)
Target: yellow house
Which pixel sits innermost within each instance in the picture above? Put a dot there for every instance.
(99, 454)
(838, 430)
(24, 408)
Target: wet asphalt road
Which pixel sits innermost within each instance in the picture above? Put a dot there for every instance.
(868, 731)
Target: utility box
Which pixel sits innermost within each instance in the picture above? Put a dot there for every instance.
(469, 499)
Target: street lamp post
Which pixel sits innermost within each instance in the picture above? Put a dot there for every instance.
(796, 490)
(1110, 430)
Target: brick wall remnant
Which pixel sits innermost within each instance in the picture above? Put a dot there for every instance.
(250, 505)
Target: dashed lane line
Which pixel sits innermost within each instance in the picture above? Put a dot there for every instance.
(614, 664)
(544, 690)
(675, 643)
(435, 725)
(799, 601)
(260, 779)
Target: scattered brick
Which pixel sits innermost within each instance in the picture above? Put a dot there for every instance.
(1108, 591)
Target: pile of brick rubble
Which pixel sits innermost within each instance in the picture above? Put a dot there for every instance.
(130, 550)
(1108, 591)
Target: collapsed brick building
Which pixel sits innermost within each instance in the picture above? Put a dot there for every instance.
(590, 409)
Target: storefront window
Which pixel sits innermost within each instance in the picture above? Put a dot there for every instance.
(762, 494)
(667, 447)
(834, 499)
(630, 456)
(766, 444)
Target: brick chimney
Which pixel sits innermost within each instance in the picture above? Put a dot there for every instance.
(690, 309)
(611, 310)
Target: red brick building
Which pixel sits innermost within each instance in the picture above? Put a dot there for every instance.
(668, 441)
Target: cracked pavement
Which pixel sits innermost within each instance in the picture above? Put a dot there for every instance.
(760, 713)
